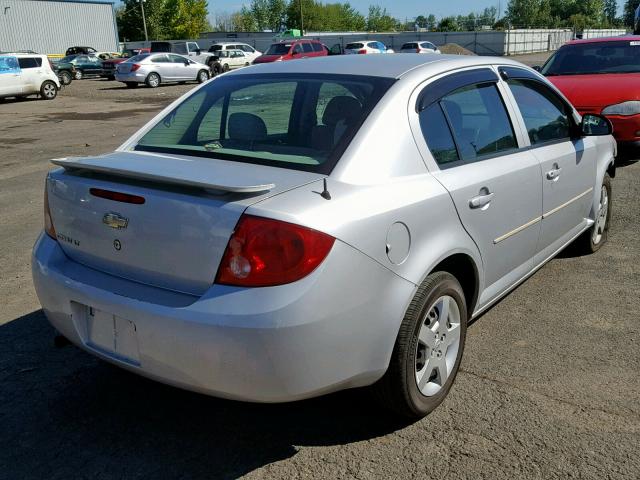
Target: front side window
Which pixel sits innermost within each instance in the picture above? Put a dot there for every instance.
(544, 113)
(306, 46)
(299, 121)
(317, 47)
(297, 49)
(479, 121)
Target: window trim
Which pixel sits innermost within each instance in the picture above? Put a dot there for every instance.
(440, 88)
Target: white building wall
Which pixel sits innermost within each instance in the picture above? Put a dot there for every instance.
(53, 26)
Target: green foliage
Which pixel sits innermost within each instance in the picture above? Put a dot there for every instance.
(331, 17)
(448, 24)
(166, 19)
(578, 14)
(379, 20)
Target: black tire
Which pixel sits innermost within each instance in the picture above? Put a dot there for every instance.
(78, 75)
(131, 84)
(203, 76)
(225, 68)
(398, 389)
(152, 80)
(111, 78)
(48, 90)
(65, 78)
(592, 240)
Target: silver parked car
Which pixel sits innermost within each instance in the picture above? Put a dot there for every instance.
(156, 68)
(419, 47)
(298, 228)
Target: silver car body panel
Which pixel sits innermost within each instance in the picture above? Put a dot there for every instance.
(395, 214)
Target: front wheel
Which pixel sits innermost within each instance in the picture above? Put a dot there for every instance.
(153, 80)
(203, 76)
(225, 68)
(591, 240)
(49, 90)
(428, 349)
(65, 78)
(78, 75)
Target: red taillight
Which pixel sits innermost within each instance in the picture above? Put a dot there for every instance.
(418, 50)
(117, 196)
(135, 67)
(48, 223)
(263, 252)
(362, 52)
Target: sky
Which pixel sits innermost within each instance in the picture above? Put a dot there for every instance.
(398, 8)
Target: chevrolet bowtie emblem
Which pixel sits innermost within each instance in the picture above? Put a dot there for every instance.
(115, 220)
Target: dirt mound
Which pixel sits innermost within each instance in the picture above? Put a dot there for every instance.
(454, 49)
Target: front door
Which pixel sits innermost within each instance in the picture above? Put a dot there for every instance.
(568, 165)
(496, 187)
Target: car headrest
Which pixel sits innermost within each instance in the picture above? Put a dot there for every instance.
(247, 127)
(341, 108)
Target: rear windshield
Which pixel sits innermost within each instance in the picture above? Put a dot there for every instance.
(298, 121)
(409, 45)
(278, 49)
(353, 46)
(215, 48)
(592, 58)
(138, 58)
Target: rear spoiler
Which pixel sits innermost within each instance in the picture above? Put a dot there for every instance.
(175, 171)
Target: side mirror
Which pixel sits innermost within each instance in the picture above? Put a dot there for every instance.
(198, 51)
(537, 68)
(595, 125)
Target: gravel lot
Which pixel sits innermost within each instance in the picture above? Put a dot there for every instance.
(548, 386)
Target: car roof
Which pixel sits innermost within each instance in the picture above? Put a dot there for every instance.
(229, 43)
(619, 38)
(387, 66)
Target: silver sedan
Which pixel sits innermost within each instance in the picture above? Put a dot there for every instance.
(298, 228)
(153, 69)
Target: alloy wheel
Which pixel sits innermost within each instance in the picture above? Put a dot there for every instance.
(49, 90)
(438, 344)
(601, 218)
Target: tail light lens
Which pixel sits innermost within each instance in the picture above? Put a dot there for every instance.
(263, 252)
(362, 52)
(135, 67)
(48, 223)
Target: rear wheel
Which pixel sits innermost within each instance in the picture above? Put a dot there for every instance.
(78, 75)
(428, 349)
(225, 68)
(203, 76)
(153, 80)
(48, 90)
(591, 240)
(65, 78)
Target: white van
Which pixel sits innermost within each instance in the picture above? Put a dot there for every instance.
(250, 52)
(22, 75)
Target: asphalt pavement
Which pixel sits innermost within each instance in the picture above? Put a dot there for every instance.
(548, 386)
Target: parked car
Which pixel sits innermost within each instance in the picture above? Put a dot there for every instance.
(22, 75)
(156, 68)
(80, 50)
(66, 71)
(109, 66)
(263, 240)
(601, 76)
(85, 65)
(419, 47)
(249, 51)
(187, 49)
(231, 59)
(365, 46)
(292, 50)
(107, 55)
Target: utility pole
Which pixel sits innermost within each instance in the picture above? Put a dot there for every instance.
(301, 19)
(144, 21)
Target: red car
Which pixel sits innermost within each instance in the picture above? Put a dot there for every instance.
(602, 75)
(109, 66)
(292, 50)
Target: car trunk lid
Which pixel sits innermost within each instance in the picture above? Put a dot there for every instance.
(176, 236)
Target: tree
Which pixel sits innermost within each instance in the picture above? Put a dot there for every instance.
(243, 21)
(448, 24)
(629, 12)
(379, 20)
(611, 11)
(129, 20)
(185, 18)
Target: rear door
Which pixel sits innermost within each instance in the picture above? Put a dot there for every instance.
(10, 76)
(32, 74)
(164, 67)
(495, 184)
(568, 164)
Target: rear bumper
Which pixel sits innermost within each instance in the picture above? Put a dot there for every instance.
(335, 329)
(136, 77)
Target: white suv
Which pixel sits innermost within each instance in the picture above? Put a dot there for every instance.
(27, 74)
(249, 52)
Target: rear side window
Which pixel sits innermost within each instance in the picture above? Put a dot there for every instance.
(437, 134)
(180, 48)
(30, 62)
(544, 113)
(479, 121)
(317, 47)
(306, 46)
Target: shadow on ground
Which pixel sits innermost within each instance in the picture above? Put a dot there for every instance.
(64, 412)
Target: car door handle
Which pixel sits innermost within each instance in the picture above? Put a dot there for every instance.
(554, 174)
(481, 200)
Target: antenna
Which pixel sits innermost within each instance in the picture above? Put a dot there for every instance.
(325, 193)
